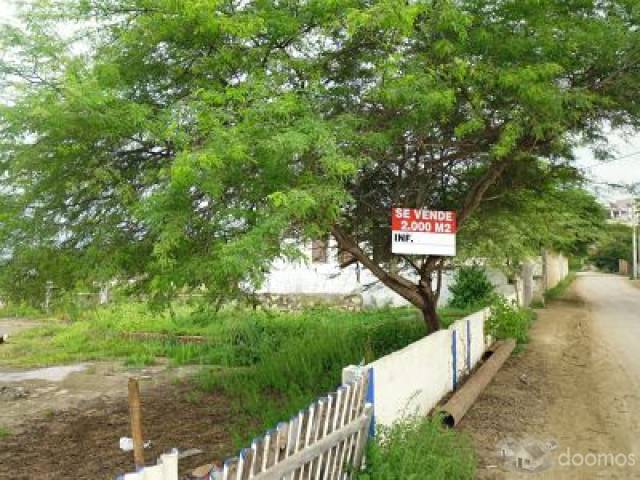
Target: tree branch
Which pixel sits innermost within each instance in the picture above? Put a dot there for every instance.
(398, 284)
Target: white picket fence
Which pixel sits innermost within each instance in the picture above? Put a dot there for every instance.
(324, 442)
(166, 469)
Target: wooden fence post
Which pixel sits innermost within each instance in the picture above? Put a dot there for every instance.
(135, 411)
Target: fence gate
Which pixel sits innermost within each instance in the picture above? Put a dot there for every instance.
(324, 442)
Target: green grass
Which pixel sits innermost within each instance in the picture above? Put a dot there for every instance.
(309, 364)
(234, 337)
(420, 448)
(21, 310)
(4, 432)
(271, 363)
(560, 289)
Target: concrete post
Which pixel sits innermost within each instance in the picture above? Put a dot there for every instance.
(527, 283)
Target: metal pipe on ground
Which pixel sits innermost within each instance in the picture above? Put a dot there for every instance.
(461, 401)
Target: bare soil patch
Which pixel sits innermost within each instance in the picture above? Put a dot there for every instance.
(84, 442)
(26, 394)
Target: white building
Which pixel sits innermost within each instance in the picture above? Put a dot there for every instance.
(320, 275)
(622, 210)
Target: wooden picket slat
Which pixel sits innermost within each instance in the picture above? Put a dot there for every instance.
(323, 442)
(346, 419)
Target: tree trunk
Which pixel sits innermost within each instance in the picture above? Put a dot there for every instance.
(430, 317)
(429, 307)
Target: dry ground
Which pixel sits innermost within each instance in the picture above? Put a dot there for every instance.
(69, 425)
(83, 443)
(568, 386)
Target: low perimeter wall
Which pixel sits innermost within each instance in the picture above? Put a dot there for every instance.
(413, 380)
(556, 268)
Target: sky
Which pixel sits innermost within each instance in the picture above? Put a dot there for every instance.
(621, 171)
(6, 9)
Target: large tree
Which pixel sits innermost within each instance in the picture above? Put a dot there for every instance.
(190, 140)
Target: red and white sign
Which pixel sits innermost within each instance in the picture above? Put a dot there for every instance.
(423, 232)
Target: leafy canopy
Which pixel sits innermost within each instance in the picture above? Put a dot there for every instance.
(182, 143)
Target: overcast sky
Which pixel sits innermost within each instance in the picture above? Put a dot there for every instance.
(6, 8)
(625, 171)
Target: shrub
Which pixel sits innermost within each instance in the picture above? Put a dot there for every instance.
(613, 245)
(419, 449)
(471, 287)
(509, 321)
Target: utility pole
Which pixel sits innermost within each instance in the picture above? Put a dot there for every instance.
(635, 251)
(634, 228)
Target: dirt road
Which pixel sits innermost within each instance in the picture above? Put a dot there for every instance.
(574, 392)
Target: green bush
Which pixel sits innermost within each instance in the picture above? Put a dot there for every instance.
(613, 245)
(507, 320)
(471, 287)
(420, 449)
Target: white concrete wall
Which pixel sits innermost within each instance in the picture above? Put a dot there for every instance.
(413, 380)
(556, 269)
(305, 277)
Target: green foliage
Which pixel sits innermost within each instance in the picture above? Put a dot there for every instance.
(471, 287)
(560, 289)
(507, 320)
(310, 363)
(20, 310)
(180, 143)
(576, 263)
(550, 213)
(614, 245)
(4, 432)
(417, 449)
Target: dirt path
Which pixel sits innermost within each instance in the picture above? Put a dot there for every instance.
(573, 390)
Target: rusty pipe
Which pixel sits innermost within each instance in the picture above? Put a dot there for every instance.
(462, 400)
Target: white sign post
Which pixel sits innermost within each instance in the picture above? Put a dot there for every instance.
(423, 232)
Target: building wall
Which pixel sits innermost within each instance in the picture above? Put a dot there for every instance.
(306, 278)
